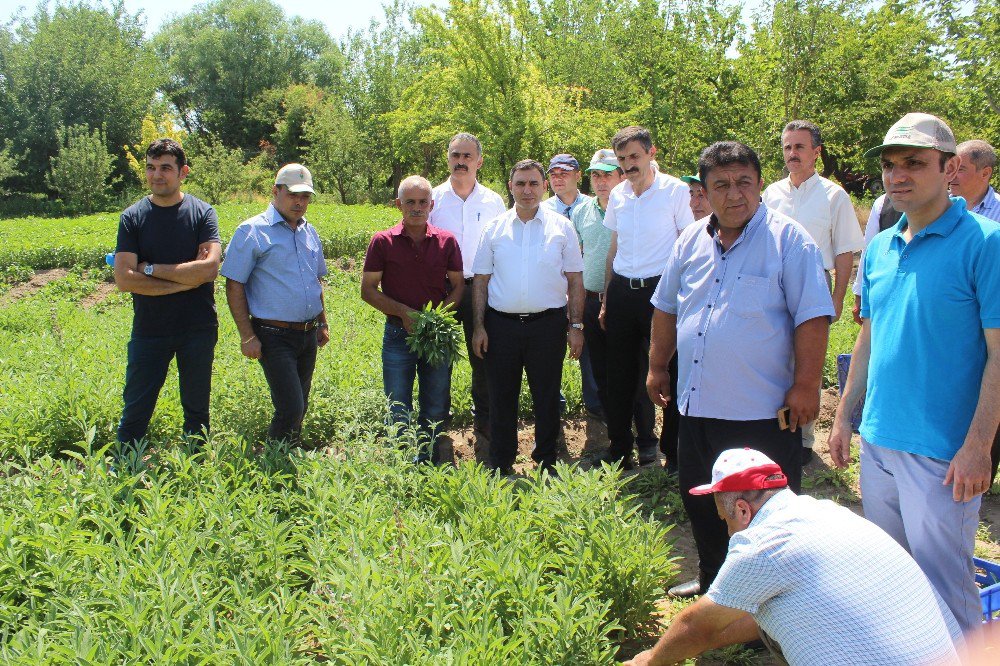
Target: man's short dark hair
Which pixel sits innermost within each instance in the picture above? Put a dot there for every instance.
(526, 165)
(805, 125)
(943, 160)
(162, 147)
(725, 153)
(465, 136)
(633, 133)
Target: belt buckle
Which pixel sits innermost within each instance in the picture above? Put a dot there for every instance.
(632, 283)
(523, 316)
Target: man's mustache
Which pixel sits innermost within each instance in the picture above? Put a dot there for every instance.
(460, 166)
(632, 170)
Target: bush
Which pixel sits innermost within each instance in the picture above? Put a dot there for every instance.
(219, 174)
(80, 172)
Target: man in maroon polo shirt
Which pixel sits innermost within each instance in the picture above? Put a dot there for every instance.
(412, 262)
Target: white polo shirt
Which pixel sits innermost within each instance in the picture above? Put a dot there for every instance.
(647, 225)
(824, 209)
(528, 261)
(465, 219)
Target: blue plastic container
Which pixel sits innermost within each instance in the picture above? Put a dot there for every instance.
(988, 580)
(109, 259)
(843, 365)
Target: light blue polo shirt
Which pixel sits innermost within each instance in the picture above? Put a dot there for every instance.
(928, 302)
(280, 268)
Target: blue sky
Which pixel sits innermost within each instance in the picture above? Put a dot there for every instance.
(337, 15)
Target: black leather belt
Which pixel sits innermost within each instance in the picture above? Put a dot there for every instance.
(599, 295)
(291, 325)
(468, 280)
(528, 316)
(638, 283)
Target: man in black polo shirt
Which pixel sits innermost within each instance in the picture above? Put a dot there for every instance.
(167, 257)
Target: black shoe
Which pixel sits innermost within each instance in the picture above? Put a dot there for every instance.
(649, 455)
(807, 456)
(671, 468)
(608, 458)
(692, 588)
(502, 470)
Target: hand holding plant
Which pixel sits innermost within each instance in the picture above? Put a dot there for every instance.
(436, 336)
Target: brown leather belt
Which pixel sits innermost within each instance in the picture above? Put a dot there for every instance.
(292, 325)
(595, 294)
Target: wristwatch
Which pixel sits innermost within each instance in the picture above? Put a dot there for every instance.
(577, 326)
(148, 270)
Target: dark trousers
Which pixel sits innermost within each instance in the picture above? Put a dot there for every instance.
(480, 386)
(536, 348)
(995, 455)
(288, 358)
(148, 361)
(701, 442)
(628, 317)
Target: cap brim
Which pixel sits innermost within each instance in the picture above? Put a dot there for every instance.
(691, 179)
(877, 150)
(301, 187)
(602, 167)
(706, 489)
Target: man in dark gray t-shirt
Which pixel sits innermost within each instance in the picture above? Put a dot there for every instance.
(167, 257)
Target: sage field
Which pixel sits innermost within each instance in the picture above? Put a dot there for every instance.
(241, 551)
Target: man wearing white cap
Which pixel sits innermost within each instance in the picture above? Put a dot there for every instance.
(817, 583)
(927, 363)
(273, 267)
(699, 200)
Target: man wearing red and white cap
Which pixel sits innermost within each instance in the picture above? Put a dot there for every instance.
(817, 583)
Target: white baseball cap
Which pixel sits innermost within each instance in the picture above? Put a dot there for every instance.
(295, 177)
(603, 160)
(917, 130)
(742, 469)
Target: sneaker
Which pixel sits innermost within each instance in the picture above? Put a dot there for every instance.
(807, 456)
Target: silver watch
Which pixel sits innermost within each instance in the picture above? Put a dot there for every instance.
(148, 270)
(578, 326)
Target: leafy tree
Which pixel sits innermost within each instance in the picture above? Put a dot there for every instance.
(80, 171)
(8, 167)
(221, 56)
(335, 151)
(74, 64)
(287, 111)
(220, 174)
(164, 127)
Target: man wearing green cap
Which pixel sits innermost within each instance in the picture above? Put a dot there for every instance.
(927, 362)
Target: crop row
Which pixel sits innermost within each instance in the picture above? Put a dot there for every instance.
(40, 243)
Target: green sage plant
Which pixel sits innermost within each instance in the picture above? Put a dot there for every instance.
(436, 336)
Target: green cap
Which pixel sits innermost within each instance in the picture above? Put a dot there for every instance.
(691, 179)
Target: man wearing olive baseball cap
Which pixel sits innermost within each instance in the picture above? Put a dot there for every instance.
(815, 582)
(930, 337)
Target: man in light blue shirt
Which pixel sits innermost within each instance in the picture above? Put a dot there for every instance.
(927, 363)
(273, 267)
(745, 303)
(817, 583)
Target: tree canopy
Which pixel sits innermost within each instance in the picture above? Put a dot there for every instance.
(529, 77)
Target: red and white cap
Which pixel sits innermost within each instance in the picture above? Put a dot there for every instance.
(742, 469)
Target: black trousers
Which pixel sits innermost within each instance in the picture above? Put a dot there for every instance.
(628, 317)
(480, 387)
(288, 358)
(537, 349)
(701, 442)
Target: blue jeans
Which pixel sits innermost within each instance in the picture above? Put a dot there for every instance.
(400, 367)
(288, 358)
(148, 361)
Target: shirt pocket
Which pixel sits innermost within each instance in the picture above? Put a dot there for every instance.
(750, 296)
(551, 252)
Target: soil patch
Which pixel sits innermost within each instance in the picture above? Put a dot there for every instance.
(104, 289)
(38, 280)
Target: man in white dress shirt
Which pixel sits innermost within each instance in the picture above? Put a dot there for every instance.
(645, 214)
(527, 270)
(463, 206)
(826, 212)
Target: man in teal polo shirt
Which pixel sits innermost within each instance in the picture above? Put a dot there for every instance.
(927, 362)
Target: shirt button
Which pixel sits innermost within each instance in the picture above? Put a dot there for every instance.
(696, 362)
(723, 258)
(699, 335)
(716, 279)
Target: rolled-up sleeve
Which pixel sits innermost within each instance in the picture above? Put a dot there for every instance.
(846, 234)
(665, 295)
(807, 294)
(241, 255)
